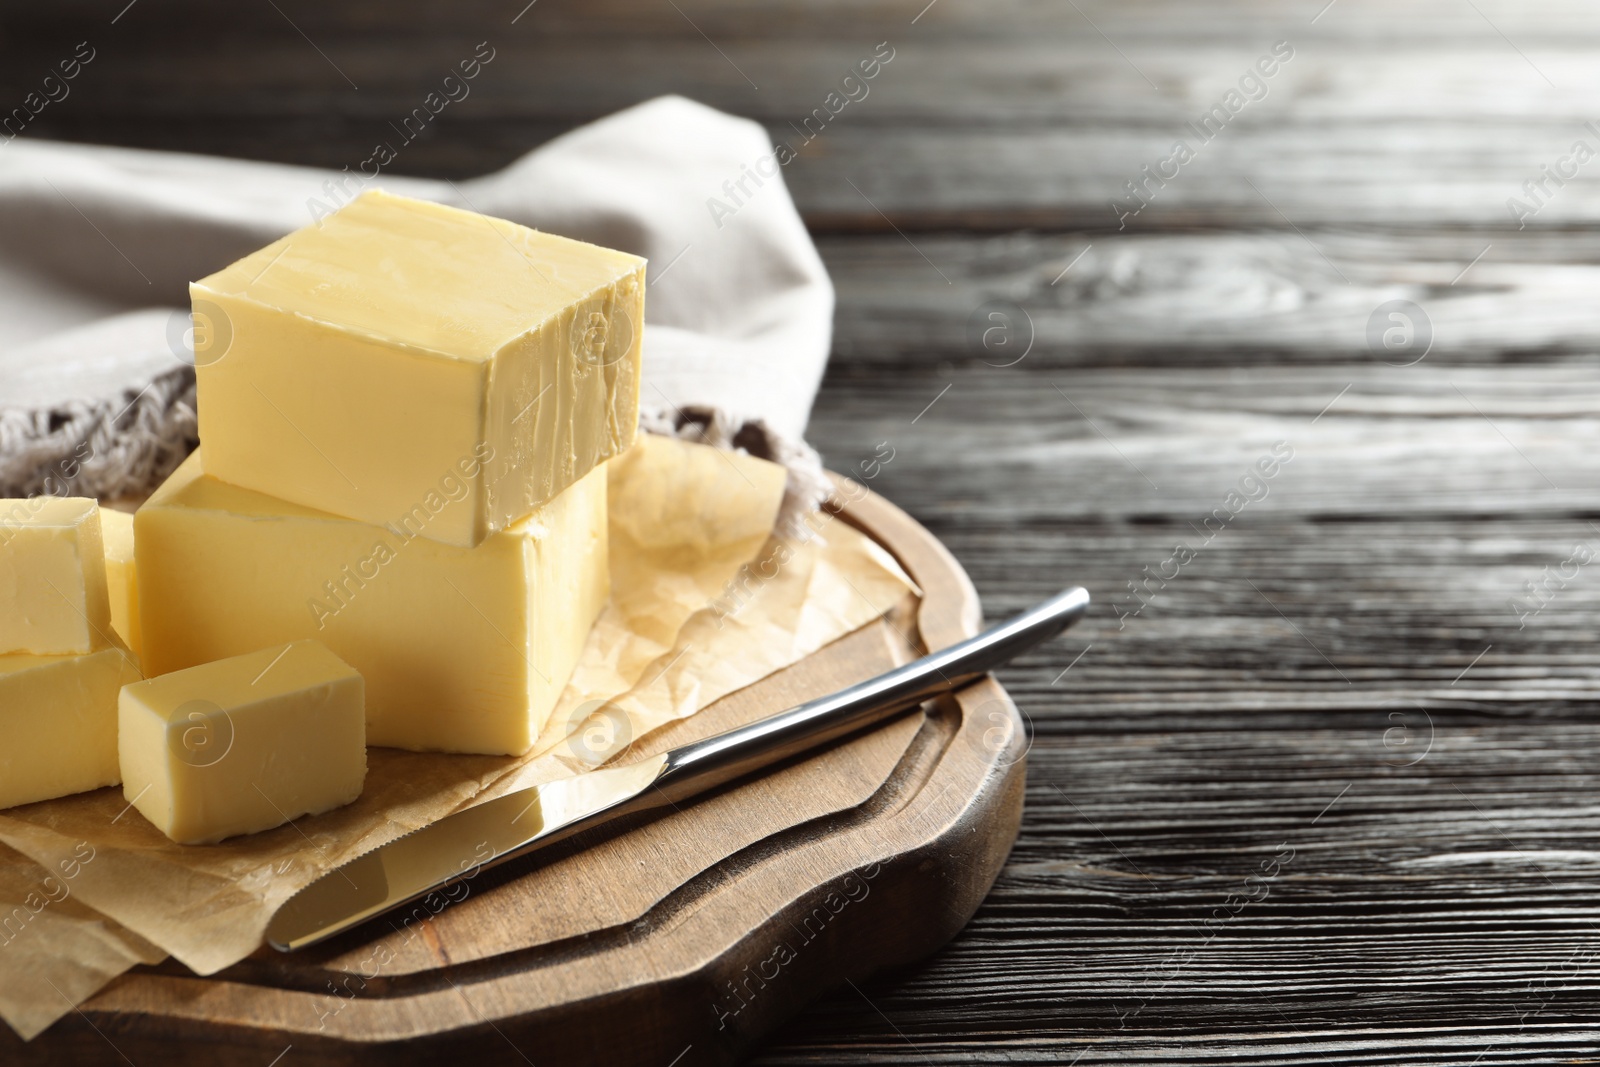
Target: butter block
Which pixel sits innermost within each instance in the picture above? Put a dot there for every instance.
(122, 577)
(462, 649)
(404, 361)
(244, 744)
(53, 597)
(58, 722)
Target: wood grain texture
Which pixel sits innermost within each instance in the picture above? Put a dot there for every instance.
(1219, 300)
(1357, 618)
(1025, 114)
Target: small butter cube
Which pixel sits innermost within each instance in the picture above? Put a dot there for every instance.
(405, 362)
(462, 649)
(243, 744)
(58, 723)
(52, 577)
(122, 579)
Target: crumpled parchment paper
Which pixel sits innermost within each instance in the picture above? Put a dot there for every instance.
(704, 602)
(55, 952)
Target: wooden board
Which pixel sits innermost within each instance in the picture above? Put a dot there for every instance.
(681, 941)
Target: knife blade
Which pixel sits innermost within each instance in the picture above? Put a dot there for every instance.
(458, 846)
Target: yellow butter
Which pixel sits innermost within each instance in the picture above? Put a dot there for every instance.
(400, 355)
(52, 577)
(244, 744)
(463, 650)
(58, 723)
(122, 578)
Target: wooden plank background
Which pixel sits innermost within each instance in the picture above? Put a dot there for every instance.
(1330, 795)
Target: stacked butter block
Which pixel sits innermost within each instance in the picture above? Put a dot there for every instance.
(394, 532)
(61, 664)
(404, 416)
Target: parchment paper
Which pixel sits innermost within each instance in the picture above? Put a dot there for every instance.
(789, 602)
(685, 521)
(55, 952)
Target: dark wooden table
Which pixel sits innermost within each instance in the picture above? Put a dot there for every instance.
(1324, 786)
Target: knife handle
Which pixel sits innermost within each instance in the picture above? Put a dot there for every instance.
(702, 765)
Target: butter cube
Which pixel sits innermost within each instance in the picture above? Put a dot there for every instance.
(405, 362)
(462, 649)
(52, 577)
(58, 723)
(122, 578)
(243, 744)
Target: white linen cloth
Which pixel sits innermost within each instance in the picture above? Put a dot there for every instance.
(97, 246)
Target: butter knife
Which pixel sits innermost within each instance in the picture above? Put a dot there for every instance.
(459, 846)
